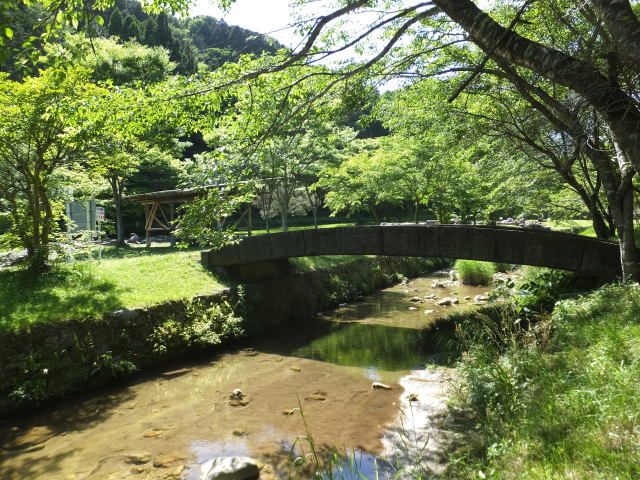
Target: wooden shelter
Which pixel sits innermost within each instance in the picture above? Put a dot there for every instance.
(159, 208)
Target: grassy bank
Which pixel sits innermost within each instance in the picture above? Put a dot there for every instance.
(559, 400)
(133, 277)
(123, 278)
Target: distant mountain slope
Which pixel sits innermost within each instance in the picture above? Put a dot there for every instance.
(189, 40)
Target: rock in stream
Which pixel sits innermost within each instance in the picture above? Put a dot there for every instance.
(230, 468)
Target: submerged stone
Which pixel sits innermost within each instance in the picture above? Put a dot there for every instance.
(168, 460)
(31, 437)
(380, 386)
(237, 395)
(319, 396)
(175, 373)
(138, 458)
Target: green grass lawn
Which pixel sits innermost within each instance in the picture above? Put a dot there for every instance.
(293, 228)
(306, 264)
(570, 225)
(121, 278)
(585, 227)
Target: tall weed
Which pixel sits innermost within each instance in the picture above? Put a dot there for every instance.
(473, 272)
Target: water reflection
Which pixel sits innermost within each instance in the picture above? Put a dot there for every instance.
(367, 346)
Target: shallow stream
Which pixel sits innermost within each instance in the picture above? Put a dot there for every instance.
(164, 427)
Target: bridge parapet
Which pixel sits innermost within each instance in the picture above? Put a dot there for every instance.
(265, 256)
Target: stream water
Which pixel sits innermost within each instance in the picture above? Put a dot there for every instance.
(164, 427)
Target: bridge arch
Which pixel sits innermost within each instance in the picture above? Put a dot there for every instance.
(263, 257)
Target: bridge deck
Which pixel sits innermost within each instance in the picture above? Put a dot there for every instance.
(519, 246)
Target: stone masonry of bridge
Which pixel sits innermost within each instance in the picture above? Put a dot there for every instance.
(265, 257)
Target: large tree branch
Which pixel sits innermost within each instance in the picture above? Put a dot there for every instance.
(623, 26)
(620, 110)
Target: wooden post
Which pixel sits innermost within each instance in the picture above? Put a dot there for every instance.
(147, 236)
(172, 216)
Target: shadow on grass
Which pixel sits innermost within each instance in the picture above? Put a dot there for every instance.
(64, 293)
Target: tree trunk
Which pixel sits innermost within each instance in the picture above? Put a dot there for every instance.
(374, 212)
(314, 206)
(599, 225)
(614, 104)
(622, 25)
(620, 198)
(38, 251)
(116, 190)
(626, 239)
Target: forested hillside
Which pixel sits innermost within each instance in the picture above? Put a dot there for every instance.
(190, 40)
(194, 42)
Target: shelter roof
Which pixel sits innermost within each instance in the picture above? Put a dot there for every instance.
(182, 195)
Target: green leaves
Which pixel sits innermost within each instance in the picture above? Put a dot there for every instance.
(204, 219)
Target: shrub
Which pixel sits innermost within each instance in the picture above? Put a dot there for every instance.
(6, 222)
(473, 272)
(539, 288)
(338, 288)
(201, 325)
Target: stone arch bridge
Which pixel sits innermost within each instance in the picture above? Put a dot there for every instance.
(265, 257)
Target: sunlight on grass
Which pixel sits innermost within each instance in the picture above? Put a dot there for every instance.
(148, 279)
(561, 405)
(299, 227)
(124, 278)
(570, 226)
(121, 278)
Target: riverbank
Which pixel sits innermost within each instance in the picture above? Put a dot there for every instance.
(39, 364)
(556, 400)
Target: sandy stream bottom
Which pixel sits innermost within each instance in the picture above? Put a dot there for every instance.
(164, 427)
